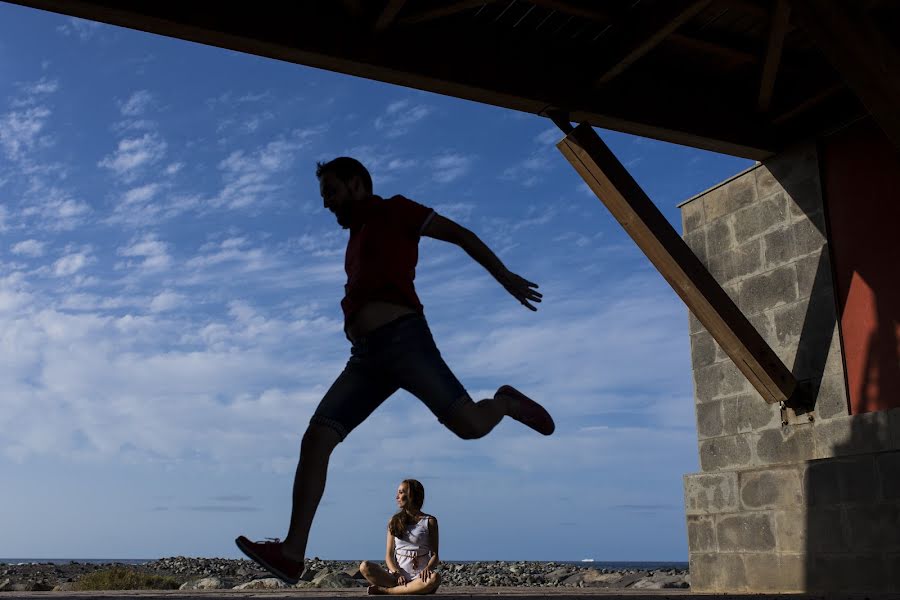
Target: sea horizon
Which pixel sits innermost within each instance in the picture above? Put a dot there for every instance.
(601, 564)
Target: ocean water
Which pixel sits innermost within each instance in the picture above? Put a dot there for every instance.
(596, 564)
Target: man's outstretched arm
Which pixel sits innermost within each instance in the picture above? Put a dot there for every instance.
(444, 229)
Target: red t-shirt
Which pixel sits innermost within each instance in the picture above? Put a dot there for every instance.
(382, 253)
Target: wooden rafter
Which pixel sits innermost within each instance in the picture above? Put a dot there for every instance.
(388, 14)
(778, 26)
(442, 11)
(859, 52)
(733, 55)
(659, 241)
(641, 31)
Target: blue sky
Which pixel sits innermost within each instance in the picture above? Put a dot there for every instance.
(169, 311)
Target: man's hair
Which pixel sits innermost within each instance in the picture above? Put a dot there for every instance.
(345, 169)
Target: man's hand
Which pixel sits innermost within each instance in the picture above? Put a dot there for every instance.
(521, 289)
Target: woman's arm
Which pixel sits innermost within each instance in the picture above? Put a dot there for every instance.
(390, 561)
(435, 559)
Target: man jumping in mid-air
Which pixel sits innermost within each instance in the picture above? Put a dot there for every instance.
(392, 347)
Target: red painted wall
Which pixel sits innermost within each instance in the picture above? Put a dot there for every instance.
(861, 184)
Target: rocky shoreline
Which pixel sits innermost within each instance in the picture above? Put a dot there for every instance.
(220, 573)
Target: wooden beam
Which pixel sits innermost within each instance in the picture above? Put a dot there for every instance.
(650, 230)
(732, 55)
(499, 68)
(591, 13)
(442, 11)
(388, 14)
(642, 30)
(777, 29)
(860, 52)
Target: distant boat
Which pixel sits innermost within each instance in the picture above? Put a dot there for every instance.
(587, 560)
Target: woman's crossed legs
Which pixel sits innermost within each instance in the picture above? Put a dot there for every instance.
(385, 583)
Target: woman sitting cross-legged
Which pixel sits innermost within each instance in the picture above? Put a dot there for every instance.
(412, 548)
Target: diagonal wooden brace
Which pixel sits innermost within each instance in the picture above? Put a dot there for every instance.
(647, 226)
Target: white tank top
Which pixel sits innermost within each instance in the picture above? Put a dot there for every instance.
(413, 550)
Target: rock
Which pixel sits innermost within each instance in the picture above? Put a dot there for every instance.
(4, 585)
(337, 579)
(65, 586)
(557, 575)
(308, 574)
(207, 583)
(269, 583)
(595, 577)
(659, 582)
(629, 578)
(354, 573)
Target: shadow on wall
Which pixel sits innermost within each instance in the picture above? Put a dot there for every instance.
(853, 499)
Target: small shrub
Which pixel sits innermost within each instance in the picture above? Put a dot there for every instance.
(120, 578)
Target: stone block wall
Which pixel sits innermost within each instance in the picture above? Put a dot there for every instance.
(789, 498)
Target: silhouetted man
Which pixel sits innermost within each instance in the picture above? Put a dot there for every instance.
(392, 346)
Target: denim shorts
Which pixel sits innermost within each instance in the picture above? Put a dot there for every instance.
(400, 354)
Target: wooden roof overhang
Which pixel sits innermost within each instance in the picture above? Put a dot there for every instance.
(744, 77)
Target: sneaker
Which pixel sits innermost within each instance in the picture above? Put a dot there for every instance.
(268, 555)
(531, 413)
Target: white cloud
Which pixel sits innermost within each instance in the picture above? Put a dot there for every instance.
(449, 167)
(56, 209)
(154, 253)
(32, 248)
(526, 172)
(132, 154)
(80, 28)
(136, 104)
(249, 177)
(20, 130)
(400, 116)
(40, 87)
(549, 136)
(174, 168)
(71, 263)
(166, 300)
(140, 195)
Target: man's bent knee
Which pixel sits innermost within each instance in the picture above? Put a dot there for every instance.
(319, 438)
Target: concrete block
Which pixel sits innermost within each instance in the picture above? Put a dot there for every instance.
(748, 412)
(831, 573)
(716, 572)
(805, 198)
(759, 218)
(768, 290)
(725, 453)
(696, 241)
(719, 238)
(888, 468)
(845, 481)
(746, 532)
(894, 426)
(788, 168)
(775, 572)
(701, 534)
(778, 248)
(790, 530)
(814, 275)
(825, 530)
(707, 494)
(729, 198)
(853, 434)
(815, 317)
(766, 184)
(893, 565)
(807, 237)
(786, 445)
(831, 401)
(692, 215)
(770, 488)
(742, 261)
(703, 350)
(709, 419)
(719, 380)
(874, 528)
